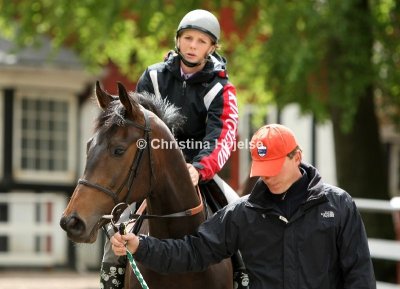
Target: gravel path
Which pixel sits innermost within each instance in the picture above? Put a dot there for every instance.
(48, 280)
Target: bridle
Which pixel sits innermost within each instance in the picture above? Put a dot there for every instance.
(128, 182)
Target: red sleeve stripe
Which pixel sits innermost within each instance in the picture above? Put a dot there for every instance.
(213, 163)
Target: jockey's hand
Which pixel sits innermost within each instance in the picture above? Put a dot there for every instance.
(119, 243)
(194, 174)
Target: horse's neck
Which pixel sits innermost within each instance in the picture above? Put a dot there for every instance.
(172, 193)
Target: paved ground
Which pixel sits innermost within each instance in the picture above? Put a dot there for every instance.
(48, 280)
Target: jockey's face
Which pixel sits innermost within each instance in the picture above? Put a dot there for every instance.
(194, 45)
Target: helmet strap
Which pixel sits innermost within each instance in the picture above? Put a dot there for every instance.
(187, 63)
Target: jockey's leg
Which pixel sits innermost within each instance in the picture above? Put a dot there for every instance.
(229, 193)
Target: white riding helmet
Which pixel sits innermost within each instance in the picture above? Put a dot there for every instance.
(201, 20)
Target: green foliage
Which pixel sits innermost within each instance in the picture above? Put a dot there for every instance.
(320, 54)
(387, 57)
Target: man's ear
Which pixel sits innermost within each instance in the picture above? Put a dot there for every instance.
(298, 156)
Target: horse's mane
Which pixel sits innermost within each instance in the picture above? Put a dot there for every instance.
(167, 112)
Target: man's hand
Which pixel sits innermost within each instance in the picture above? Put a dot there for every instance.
(194, 174)
(119, 243)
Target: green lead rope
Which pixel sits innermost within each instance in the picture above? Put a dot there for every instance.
(139, 276)
(135, 269)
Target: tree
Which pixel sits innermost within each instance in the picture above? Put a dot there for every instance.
(337, 59)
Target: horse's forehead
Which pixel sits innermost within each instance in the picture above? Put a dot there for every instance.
(103, 133)
(115, 133)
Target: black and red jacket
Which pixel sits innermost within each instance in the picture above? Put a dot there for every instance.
(208, 102)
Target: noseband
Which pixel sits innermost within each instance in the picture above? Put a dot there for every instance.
(134, 167)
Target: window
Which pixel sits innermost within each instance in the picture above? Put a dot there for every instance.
(31, 234)
(44, 138)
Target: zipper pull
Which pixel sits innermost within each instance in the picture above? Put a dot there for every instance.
(282, 218)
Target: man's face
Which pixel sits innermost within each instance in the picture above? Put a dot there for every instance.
(289, 174)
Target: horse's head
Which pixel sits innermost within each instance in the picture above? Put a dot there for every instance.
(118, 165)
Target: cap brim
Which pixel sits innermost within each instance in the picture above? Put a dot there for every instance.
(268, 168)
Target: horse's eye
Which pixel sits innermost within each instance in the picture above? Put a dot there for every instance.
(118, 151)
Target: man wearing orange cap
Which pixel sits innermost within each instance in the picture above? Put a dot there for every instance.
(293, 230)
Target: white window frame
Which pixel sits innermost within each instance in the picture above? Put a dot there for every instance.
(23, 207)
(21, 174)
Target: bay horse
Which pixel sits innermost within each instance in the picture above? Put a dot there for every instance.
(122, 166)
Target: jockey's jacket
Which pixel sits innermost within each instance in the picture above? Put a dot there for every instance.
(207, 101)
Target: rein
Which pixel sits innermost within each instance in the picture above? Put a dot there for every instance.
(128, 182)
(140, 215)
(186, 213)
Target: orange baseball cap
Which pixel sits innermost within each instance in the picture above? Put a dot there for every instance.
(269, 147)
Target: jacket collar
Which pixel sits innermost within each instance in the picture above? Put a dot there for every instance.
(212, 67)
(314, 195)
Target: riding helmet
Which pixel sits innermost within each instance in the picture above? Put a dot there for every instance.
(201, 20)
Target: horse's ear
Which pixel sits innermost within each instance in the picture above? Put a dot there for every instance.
(131, 106)
(103, 98)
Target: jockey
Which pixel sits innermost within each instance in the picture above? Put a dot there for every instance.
(194, 79)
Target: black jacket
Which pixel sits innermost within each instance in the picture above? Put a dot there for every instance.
(322, 245)
(208, 102)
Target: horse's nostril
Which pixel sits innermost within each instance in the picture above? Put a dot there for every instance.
(63, 223)
(73, 225)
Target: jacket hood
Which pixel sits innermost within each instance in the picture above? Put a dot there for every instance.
(218, 61)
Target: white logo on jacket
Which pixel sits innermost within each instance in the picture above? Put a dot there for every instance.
(328, 214)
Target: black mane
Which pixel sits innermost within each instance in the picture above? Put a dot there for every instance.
(167, 112)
